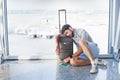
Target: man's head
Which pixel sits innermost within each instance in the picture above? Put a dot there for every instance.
(67, 30)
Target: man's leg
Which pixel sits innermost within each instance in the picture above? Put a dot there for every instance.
(86, 50)
(88, 53)
(75, 61)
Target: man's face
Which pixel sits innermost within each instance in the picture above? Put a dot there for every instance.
(68, 32)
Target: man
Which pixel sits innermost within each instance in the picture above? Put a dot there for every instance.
(87, 49)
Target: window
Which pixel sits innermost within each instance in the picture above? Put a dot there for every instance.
(0, 26)
(32, 27)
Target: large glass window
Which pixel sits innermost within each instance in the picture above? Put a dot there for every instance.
(32, 24)
(92, 16)
(0, 25)
(31, 28)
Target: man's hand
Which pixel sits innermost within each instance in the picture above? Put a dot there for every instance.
(58, 50)
(66, 60)
(57, 43)
(77, 53)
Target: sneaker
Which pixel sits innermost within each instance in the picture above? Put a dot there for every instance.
(100, 62)
(93, 68)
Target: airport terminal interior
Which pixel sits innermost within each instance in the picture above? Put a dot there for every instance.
(28, 29)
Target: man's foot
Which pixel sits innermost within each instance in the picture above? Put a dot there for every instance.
(93, 68)
(100, 62)
(66, 60)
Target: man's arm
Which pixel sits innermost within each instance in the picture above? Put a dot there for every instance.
(78, 52)
(57, 43)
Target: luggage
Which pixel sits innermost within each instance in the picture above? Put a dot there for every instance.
(66, 47)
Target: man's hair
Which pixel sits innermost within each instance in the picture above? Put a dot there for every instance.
(65, 27)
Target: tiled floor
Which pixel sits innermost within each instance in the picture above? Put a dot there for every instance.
(52, 70)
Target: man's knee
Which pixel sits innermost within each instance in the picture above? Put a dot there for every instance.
(73, 62)
(82, 42)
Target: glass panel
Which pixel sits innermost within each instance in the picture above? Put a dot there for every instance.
(94, 19)
(32, 24)
(31, 29)
(0, 25)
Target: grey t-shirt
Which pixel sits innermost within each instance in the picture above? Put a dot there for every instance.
(81, 34)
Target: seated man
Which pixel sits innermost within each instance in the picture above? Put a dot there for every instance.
(87, 49)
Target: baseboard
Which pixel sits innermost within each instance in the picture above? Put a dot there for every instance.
(106, 56)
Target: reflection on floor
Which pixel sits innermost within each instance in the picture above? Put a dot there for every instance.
(52, 70)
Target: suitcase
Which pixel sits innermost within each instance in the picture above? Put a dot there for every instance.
(66, 47)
